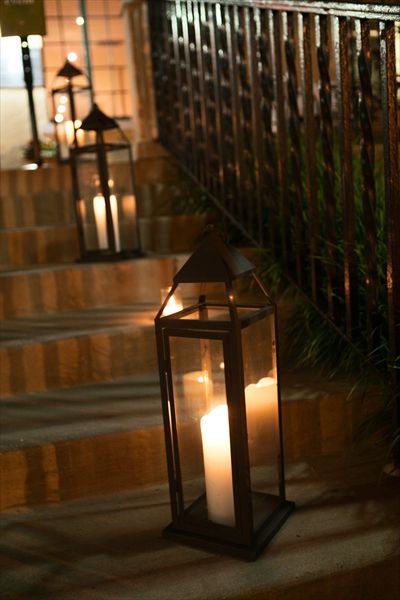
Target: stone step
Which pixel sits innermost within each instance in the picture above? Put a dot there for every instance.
(44, 197)
(20, 182)
(49, 352)
(24, 247)
(50, 207)
(172, 233)
(57, 177)
(56, 207)
(69, 440)
(71, 443)
(72, 287)
(341, 542)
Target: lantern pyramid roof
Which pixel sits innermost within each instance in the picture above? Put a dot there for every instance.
(97, 120)
(213, 261)
(69, 70)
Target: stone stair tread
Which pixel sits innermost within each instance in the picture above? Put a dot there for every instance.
(37, 269)
(48, 327)
(46, 267)
(341, 542)
(41, 227)
(124, 404)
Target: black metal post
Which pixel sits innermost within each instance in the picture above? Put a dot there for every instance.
(72, 109)
(28, 78)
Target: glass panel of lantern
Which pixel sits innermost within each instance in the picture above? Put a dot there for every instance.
(104, 191)
(71, 98)
(221, 406)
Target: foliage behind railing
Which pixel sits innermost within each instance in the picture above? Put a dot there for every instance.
(288, 113)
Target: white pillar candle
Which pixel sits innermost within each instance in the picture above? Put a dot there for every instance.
(114, 214)
(262, 412)
(218, 466)
(80, 136)
(82, 210)
(261, 397)
(69, 132)
(99, 207)
(129, 207)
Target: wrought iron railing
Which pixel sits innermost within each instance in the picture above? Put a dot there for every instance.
(288, 113)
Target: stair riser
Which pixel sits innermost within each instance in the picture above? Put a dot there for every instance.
(83, 286)
(27, 247)
(44, 197)
(25, 183)
(125, 461)
(169, 234)
(55, 207)
(81, 468)
(47, 208)
(54, 245)
(76, 361)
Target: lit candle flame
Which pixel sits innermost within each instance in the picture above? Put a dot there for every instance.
(172, 306)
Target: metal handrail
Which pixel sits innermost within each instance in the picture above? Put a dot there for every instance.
(247, 91)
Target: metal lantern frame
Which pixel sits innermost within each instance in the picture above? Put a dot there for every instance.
(70, 89)
(214, 261)
(98, 122)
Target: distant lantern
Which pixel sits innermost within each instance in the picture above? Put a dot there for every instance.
(71, 101)
(221, 405)
(104, 191)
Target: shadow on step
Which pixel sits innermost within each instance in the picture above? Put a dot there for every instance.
(111, 547)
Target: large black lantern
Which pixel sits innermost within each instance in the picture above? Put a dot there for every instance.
(104, 191)
(71, 99)
(221, 405)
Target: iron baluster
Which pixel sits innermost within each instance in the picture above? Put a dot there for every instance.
(392, 200)
(295, 149)
(346, 163)
(325, 98)
(308, 33)
(368, 181)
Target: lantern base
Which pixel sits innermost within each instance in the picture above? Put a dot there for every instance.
(106, 256)
(247, 552)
